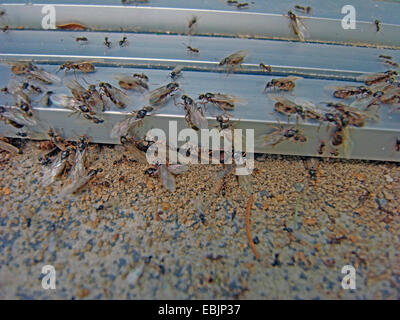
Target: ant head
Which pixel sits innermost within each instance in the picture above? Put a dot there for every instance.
(290, 133)
(223, 62)
(141, 113)
(65, 154)
(173, 85)
(291, 14)
(123, 139)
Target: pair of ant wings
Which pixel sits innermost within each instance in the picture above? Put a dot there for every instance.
(55, 170)
(73, 84)
(240, 54)
(14, 86)
(8, 147)
(64, 101)
(139, 156)
(281, 99)
(167, 179)
(17, 115)
(45, 76)
(78, 169)
(291, 78)
(178, 168)
(135, 83)
(229, 98)
(76, 184)
(304, 103)
(121, 128)
(299, 29)
(271, 139)
(121, 95)
(198, 119)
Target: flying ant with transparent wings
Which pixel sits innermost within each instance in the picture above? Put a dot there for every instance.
(346, 92)
(75, 106)
(300, 107)
(57, 168)
(21, 99)
(297, 26)
(135, 118)
(15, 117)
(128, 82)
(280, 134)
(159, 96)
(117, 96)
(352, 115)
(90, 97)
(79, 183)
(58, 140)
(31, 71)
(223, 101)
(95, 101)
(383, 93)
(4, 145)
(370, 79)
(194, 115)
(234, 60)
(78, 168)
(167, 173)
(83, 66)
(283, 84)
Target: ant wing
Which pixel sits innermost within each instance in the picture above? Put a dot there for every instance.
(73, 84)
(17, 115)
(282, 100)
(167, 179)
(178, 168)
(45, 76)
(121, 128)
(303, 29)
(290, 78)
(64, 101)
(304, 103)
(198, 119)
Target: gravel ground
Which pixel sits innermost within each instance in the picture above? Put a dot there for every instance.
(305, 231)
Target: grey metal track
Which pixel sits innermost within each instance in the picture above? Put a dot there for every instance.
(343, 62)
(374, 141)
(320, 64)
(226, 22)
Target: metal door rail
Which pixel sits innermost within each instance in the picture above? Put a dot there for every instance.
(211, 22)
(330, 61)
(374, 141)
(320, 64)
